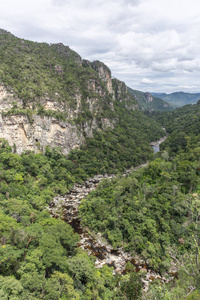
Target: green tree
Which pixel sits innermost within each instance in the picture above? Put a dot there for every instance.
(188, 261)
(10, 288)
(130, 285)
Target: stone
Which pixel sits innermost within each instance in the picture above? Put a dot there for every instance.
(44, 131)
(94, 243)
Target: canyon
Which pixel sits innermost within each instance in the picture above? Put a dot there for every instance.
(66, 208)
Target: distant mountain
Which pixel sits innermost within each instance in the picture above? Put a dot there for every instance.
(147, 101)
(178, 99)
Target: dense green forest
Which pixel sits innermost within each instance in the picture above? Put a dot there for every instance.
(147, 102)
(125, 146)
(34, 70)
(182, 124)
(152, 213)
(38, 254)
(155, 211)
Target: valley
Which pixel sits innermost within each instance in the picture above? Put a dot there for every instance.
(66, 208)
(97, 201)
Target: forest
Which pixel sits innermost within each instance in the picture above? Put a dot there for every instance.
(155, 211)
(151, 213)
(39, 257)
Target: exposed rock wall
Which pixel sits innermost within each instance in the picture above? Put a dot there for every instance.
(40, 131)
(6, 99)
(105, 75)
(148, 97)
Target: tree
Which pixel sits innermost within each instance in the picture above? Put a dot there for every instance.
(10, 288)
(130, 285)
(66, 285)
(188, 254)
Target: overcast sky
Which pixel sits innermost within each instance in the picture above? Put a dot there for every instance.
(152, 45)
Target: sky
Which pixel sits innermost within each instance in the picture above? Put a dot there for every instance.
(151, 45)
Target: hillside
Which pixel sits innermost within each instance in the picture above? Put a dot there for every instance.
(148, 102)
(49, 96)
(63, 119)
(154, 213)
(178, 99)
(183, 126)
(80, 122)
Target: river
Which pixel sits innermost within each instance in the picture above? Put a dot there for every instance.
(156, 145)
(66, 207)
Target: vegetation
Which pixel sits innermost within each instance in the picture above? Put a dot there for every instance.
(144, 103)
(38, 72)
(127, 145)
(145, 212)
(38, 255)
(182, 124)
(153, 212)
(31, 69)
(179, 99)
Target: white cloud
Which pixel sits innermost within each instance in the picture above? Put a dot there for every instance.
(144, 42)
(187, 87)
(146, 81)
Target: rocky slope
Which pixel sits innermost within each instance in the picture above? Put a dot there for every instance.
(149, 102)
(66, 207)
(50, 96)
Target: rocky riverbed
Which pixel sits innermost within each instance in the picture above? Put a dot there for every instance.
(156, 145)
(66, 207)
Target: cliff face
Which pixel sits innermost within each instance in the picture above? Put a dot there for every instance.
(148, 97)
(36, 135)
(57, 102)
(42, 131)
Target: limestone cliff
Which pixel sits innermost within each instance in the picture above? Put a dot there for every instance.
(55, 101)
(36, 135)
(148, 97)
(42, 131)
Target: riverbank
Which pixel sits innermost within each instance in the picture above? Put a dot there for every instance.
(156, 145)
(67, 208)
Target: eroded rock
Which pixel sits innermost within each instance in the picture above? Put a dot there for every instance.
(67, 208)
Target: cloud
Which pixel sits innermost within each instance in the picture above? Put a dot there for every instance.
(146, 81)
(187, 87)
(144, 42)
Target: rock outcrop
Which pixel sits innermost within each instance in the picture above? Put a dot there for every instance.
(39, 133)
(66, 207)
(46, 129)
(148, 97)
